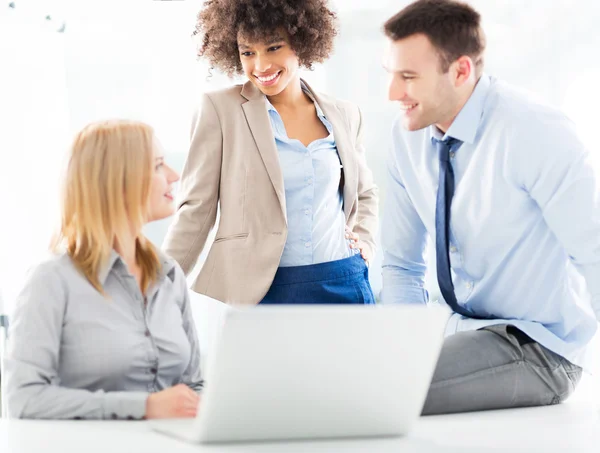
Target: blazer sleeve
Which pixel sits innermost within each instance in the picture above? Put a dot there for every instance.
(368, 193)
(199, 190)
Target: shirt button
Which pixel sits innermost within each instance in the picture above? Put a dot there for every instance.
(453, 249)
(469, 285)
(307, 244)
(307, 211)
(147, 333)
(153, 370)
(114, 416)
(310, 181)
(452, 154)
(130, 417)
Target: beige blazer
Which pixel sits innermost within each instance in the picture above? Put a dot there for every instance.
(233, 165)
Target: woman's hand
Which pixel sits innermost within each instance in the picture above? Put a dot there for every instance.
(356, 243)
(179, 401)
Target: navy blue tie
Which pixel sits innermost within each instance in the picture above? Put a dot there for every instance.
(442, 224)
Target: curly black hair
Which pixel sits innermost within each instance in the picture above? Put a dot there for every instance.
(310, 25)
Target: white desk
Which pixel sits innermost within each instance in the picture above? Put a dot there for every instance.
(572, 427)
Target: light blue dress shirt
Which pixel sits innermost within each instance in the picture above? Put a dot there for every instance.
(525, 220)
(314, 201)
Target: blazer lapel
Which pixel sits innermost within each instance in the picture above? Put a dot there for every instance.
(257, 117)
(341, 133)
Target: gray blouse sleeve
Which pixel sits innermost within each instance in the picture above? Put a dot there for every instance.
(192, 375)
(32, 385)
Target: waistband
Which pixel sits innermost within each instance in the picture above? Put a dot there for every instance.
(320, 272)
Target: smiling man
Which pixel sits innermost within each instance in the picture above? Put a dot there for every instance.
(506, 191)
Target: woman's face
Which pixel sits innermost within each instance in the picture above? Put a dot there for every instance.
(161, 204)
(270, 65)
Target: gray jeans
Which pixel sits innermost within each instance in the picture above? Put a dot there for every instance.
(497, 367)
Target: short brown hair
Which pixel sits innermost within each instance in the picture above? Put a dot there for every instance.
(310, 25)
(454, 29)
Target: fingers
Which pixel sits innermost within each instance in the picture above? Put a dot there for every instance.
(190, 408)
(191, 397)
(352, 235)
(191, 413)
(189, 403)
(186, 412)
(361, 247)
(188, 396)
(185, 390)
(357, 245)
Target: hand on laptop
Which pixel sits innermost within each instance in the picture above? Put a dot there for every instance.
(179, 401)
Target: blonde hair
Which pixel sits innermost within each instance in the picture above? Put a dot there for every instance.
(105, 197)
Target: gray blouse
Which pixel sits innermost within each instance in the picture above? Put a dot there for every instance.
(74, 353)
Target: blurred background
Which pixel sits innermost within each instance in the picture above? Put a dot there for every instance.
(64, 63)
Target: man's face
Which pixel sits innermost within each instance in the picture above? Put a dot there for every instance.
(426, 95)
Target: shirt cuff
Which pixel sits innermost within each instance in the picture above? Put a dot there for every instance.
(125, 405)
(404, 294)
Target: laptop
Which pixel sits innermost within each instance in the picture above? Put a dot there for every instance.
(316, 371)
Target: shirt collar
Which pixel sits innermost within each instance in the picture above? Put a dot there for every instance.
(320, 113)
(114, 259)
(465, 125)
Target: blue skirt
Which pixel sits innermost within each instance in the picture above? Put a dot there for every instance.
(344, 281)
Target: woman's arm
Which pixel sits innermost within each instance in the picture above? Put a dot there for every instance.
(32, 383)
(199, 193)
(367, 220)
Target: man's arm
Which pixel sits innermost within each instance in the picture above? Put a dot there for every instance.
(562, 176)
(404, 240)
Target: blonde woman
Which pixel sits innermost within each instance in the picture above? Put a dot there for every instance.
(104, 330)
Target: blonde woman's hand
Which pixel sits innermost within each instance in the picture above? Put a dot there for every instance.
(356, 243)
(179, 401)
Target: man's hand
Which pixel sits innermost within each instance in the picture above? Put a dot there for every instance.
(179, 401)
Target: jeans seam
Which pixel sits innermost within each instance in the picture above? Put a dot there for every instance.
(572, 385)
(541, 367)
(550, 396)
(476, 374)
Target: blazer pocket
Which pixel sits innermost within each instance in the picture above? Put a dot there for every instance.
(229, 238)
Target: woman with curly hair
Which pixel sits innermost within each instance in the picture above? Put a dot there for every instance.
(284, 165)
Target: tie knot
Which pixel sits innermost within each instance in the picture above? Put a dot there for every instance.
(447, 145)
(451, 142)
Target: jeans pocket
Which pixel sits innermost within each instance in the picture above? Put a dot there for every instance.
(364, 287)
(359, 282)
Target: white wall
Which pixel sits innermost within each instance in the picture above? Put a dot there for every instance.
(33, 132)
